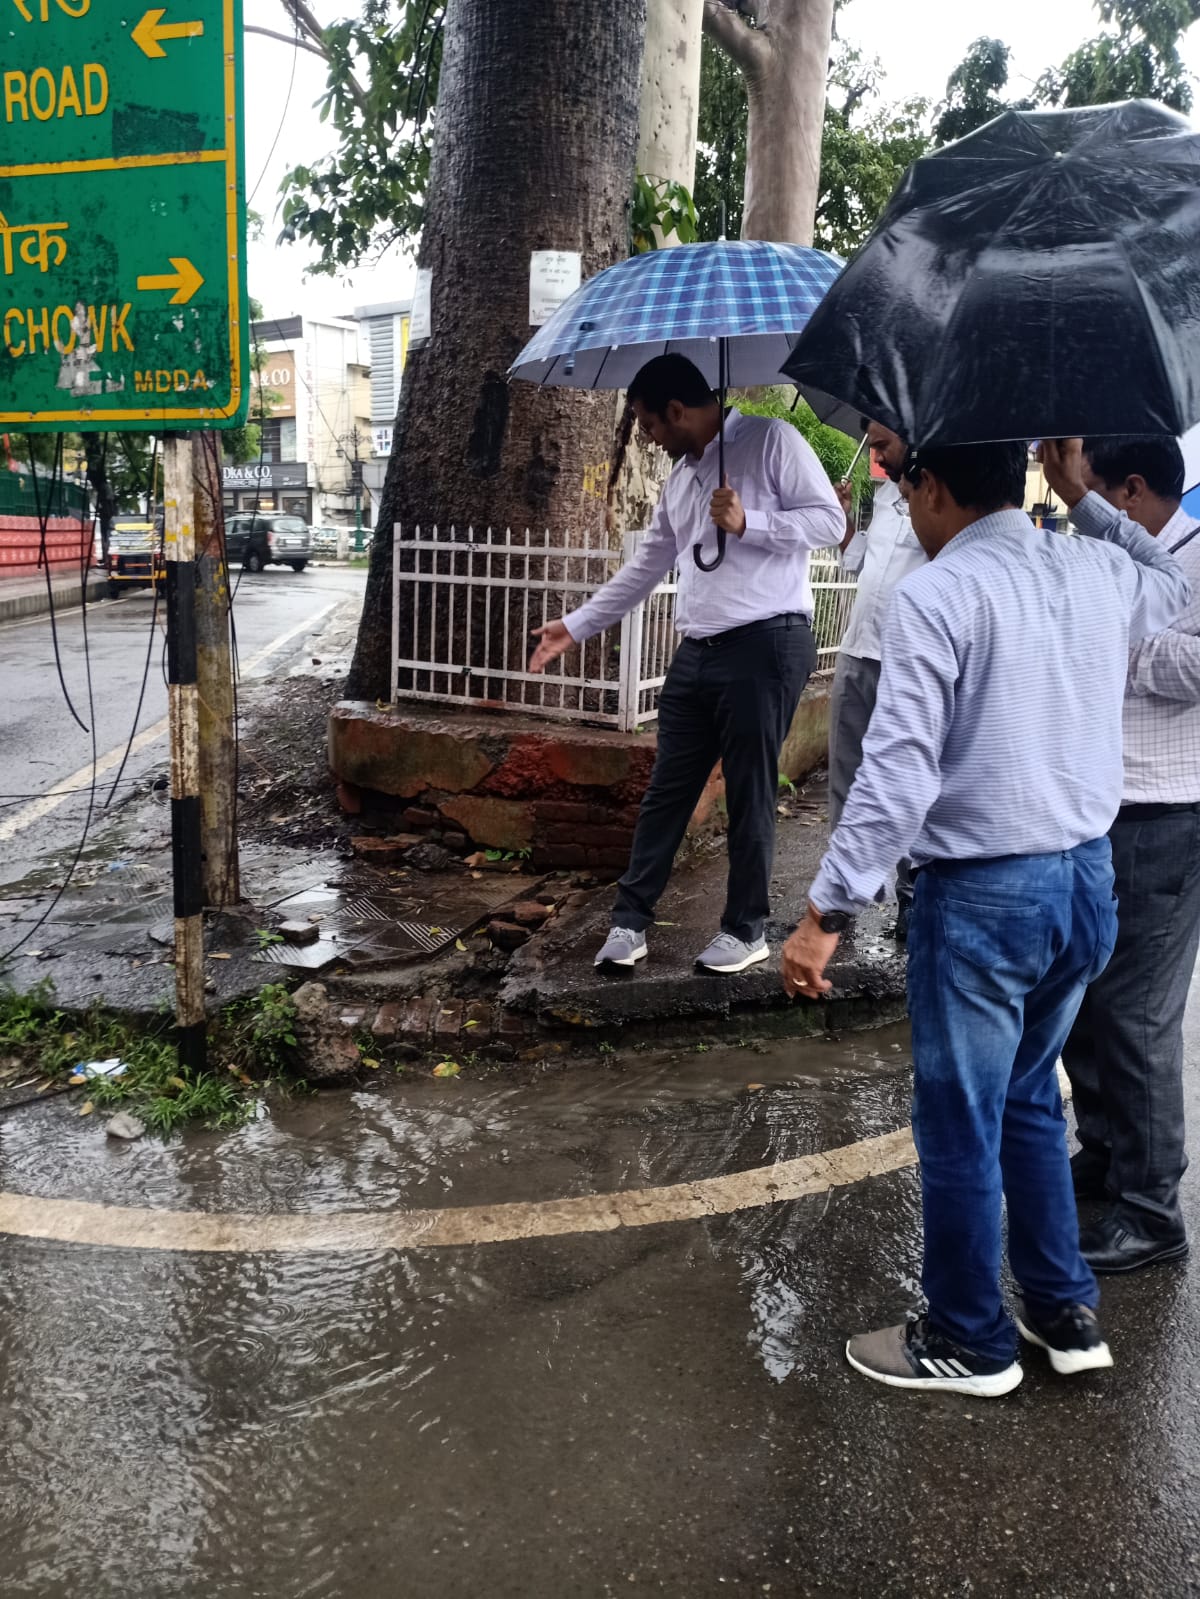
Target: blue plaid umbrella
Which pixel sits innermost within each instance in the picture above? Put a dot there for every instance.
(753, 297)
(734, 308)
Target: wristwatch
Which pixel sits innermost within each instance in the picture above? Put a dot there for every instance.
(831, 921)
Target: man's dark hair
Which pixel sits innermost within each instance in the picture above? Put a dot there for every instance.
(981, 477)
(1153, 456)
(667, 378)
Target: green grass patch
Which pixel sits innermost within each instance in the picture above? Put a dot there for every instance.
(250, 1043)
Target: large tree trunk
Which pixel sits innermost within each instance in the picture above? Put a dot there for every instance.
(666, 153)
(785, 60)
(671, 91)
(537, 129)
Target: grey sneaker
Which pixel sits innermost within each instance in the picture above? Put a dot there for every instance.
(728, 954)
(625, 947)
(913, 1355)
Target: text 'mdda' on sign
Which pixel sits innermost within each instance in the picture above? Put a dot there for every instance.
(122, 215)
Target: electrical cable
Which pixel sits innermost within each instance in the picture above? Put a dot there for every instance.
(7, 954)
(44, 558)
(283, 115)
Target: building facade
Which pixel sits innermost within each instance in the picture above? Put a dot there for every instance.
(315, 388)
(385, 330)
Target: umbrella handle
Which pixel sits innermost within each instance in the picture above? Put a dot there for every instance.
(698, 553)
(723, 385)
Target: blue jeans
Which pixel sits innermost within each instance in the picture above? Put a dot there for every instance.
(999, 954)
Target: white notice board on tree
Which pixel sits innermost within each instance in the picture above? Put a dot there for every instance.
(554, 275)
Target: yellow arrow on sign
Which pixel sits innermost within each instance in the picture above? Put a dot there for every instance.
(185, 280)
(151, 30)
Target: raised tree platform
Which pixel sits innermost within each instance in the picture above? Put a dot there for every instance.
(564, 793)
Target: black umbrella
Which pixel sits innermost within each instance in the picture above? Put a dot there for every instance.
(1037, 279)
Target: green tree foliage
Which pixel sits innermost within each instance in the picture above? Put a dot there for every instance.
(1136, 58)
(865, 149)
(974, 92)
(380, 95)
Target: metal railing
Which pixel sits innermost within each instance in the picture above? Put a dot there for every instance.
(465, 603)
(833, 597)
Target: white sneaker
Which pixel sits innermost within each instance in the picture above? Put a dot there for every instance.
(625, 946)
(728, 954)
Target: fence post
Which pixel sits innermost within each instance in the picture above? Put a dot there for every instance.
(630, 676)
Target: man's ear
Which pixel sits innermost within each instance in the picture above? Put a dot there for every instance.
(1134, 486)
(675, 413)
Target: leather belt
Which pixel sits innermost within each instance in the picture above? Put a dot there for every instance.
(769, 624)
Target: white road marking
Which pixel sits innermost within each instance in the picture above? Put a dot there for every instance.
(239, 1232)
(54, 797)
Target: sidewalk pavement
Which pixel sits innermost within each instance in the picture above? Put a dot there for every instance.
(27, 595)
(554, 980)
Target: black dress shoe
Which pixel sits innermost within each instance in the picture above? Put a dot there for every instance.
(1109, 1246)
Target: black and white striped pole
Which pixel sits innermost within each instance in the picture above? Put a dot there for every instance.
(184, 704)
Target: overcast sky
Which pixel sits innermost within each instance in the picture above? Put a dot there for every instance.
(920, 43)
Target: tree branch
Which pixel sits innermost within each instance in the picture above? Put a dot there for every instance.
(285, 38)
(307, 23)
(747, 46)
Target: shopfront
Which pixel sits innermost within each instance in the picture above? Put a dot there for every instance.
(268, 486)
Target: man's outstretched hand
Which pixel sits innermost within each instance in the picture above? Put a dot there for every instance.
(553, 641)
(805, 956)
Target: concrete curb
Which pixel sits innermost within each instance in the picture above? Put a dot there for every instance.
(36, 602)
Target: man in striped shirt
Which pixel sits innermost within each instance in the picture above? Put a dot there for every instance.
(993, 760)
(1125, 1053)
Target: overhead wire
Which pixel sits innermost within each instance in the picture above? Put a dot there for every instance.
(85, 561)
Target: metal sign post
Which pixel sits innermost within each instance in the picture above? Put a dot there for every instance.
(123, 297)
(183, 695)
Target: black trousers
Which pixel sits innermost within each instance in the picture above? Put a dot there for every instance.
(1125, 1053)
(731, 700)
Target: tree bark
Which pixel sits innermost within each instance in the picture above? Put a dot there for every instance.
(786, 64)
(670, 115)
(671, 91)
(537, 129)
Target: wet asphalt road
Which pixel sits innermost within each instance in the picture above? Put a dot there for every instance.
(663, 1410)
(275, 612)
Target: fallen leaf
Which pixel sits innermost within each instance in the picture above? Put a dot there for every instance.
(177, 1082)
(448, 1068)
(459, 945)
(470, 1024)
(78, 1078)
(217, 955)
(86, 1108)
(372, 1063)
(476, 875)
(754, 1088)
(435, 929)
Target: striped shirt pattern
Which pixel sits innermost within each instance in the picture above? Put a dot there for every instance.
(1162, 696)
(997, 729)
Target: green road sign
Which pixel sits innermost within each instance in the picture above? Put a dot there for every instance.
(122, 215)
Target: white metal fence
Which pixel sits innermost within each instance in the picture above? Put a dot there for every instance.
(465, 604)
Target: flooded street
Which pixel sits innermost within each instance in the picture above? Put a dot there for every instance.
(590, 1409)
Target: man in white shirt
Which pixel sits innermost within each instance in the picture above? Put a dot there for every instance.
(747, 648)
(1125, 1053)
(885, 555)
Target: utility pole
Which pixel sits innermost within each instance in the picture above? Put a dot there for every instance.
(356, 479)
(184, 705)
(214, 663)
